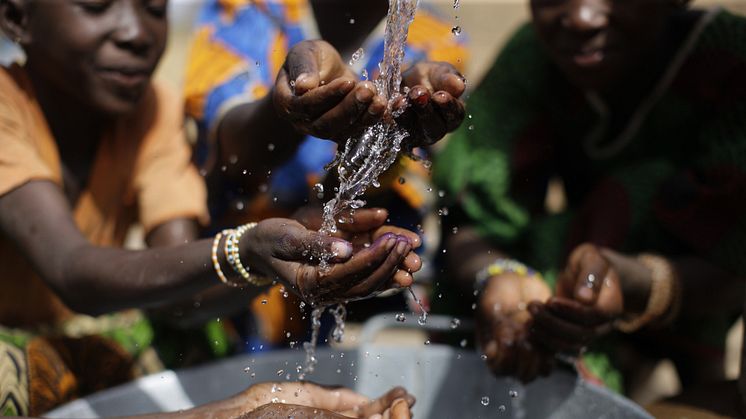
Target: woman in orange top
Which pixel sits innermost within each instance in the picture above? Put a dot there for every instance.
(89, 145)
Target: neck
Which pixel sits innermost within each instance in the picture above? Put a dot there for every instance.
(333, 18)
(630, 92)
(76, 127)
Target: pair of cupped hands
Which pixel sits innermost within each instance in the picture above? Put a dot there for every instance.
(320, 95)
(522, 327)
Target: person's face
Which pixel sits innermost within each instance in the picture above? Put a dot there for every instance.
(100, 52)
(597, 42)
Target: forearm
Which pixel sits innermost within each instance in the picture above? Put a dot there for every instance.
(467, 254)
(700, 283)
(253, 140)
(105, 279)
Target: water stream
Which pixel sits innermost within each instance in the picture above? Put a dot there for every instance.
(366, 157)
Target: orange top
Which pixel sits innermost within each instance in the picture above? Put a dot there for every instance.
(142, 172)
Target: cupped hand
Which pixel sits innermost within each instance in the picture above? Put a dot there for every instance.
(503, 323)
(321, 96)
(370, 262)
(364, 227)
(588, 300)
(331, 402)
(435, 107)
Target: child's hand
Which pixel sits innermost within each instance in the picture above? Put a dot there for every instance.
(321, 96)
(588, 300)
(434, 105)
(503, 325)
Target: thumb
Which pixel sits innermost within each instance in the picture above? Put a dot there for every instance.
(302, 66)
(330, 248)
(298, 244)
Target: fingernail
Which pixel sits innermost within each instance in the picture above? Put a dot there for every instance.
(341, 249)
(301, 77)
(390, 242)
(364, 95)
(585, 293)
(401, 247)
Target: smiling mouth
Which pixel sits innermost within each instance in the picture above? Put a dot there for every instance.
(125, 77)
(588, 58)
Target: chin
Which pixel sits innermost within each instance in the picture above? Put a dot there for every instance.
(118, 104)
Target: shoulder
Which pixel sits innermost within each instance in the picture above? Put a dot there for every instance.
(715, 69)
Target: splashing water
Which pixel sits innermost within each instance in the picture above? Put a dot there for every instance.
(366, 157)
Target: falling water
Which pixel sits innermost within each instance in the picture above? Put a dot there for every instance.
(366, 157)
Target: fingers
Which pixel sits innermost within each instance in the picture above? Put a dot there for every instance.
(347, 116)
(381, 404)
(400, 409)
(312, 63)
(365, 219)
(336, 399)
(445, 77)
(413, 237)
(382, 271)
(557, 334)
(576, 313)
(295, 243)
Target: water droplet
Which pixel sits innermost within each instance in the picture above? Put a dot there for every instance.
(223, 168)
(471, 127)
(441, 193)
(247, 370)
(483, 357)
(501, 408)
(455, 230)
(456, 4)
(456, 30)
(463, 343)
(376, 184)
(455, 323)
(264, 301)
(357, 55)
(365, 74)
(513, 393)
(280, 372)
(427, 342)
(485, 401)
(352, 21)
(271, 147)
(400, 317)
(402, 181)
(253, 374)
(474, 306)
(239, 205)
(233, 159)
(257, 63)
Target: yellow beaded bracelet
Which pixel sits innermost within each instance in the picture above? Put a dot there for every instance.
(214, 256)
(232, 254)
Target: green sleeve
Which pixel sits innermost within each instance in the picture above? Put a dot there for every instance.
(474, 168)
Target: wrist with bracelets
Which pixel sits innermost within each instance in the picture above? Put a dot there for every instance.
(662, 301)
(501, 266)
(232, 255)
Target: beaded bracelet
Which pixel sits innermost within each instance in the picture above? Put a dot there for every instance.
(214, 256)
(501, 266)
(233, 256)
(662, 293)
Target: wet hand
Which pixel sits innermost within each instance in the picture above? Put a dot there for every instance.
(295, 398)
(363, 228)
(364, 260)
(435, 107)
(503, 323)
(588, 300)
(321, 96)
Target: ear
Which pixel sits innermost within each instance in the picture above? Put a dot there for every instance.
(14, 20)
